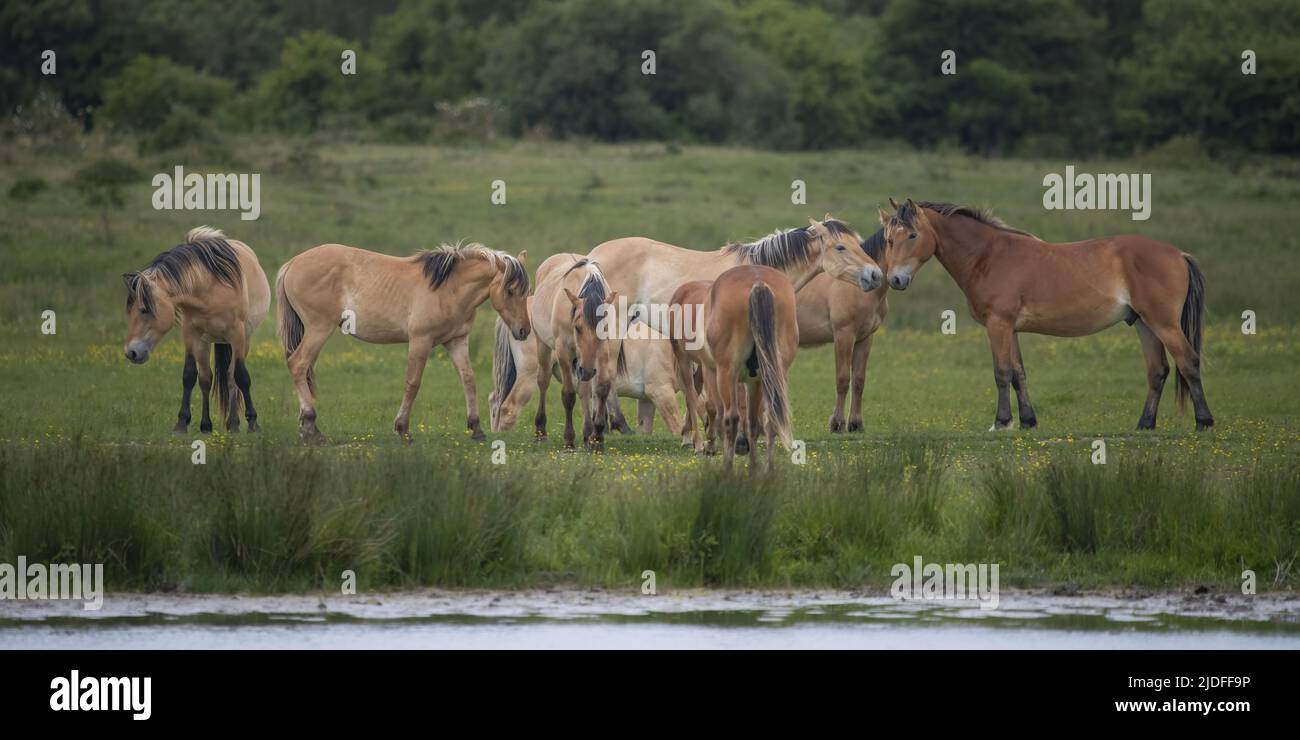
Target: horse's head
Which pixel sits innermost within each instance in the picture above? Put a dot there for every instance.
(509, 293)
(909, 241)
(841, 253)
(150, 313)
(593, 327)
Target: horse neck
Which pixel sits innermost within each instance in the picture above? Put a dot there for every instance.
(196, 296)
(960, 244)
(475, 283)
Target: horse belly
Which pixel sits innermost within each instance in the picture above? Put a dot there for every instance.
(1077, 321)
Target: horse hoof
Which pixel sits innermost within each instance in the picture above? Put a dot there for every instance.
(253, 427)
(855, 426)
(180, 428)
(206, 427)
(1203, 425)
(1029, 423)
(742, 446)
(313, 438)
(837, 425)
(1000, 426)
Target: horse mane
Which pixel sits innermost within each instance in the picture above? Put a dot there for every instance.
(783, 248)
(204, 252)
(983, 215)
(438, 264)
(874, 245)
(593, 291)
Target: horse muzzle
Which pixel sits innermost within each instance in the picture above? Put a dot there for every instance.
(584, 373)
(900, 280)
(522, 333)
(137, 353)
(870, 278)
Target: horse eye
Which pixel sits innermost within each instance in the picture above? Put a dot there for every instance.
(911, 235)
(839, 248)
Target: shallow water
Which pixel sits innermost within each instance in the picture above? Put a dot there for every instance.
(574, 618)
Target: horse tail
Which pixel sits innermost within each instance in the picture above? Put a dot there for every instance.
(504, 370)
(291, 326)
(776, 394)
(222, 355)
(1192, 320)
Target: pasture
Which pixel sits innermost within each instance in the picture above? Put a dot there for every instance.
(90, 472)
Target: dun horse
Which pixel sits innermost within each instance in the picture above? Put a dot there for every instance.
(648, 272)
(426, 300)
(219, 291)
(752, 331)
(567, 308)
(1015, 282)
(646, 374)
(832, 311)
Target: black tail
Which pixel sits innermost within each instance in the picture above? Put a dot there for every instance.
(291, 328)
(222, 358)
(504, 371)
(762, 322)
(1193, 319)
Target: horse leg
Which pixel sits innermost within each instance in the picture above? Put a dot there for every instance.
(568, 396)
(1153, 350)
(189, 375)
(1002, 340)
(458, 351)
(245, 383)
(301, 364)
(663, 398)
(755, 406)
(645, 415)
(712, 412)
(686, 379)
(843, 368)
(617, 421)
(543, 382)
(584, 398)
(1189, 366)
(233, 396)
(417, 357)
(725, 382)
(203, 364)
(861, 353)
(1018, 381)
(742, 440)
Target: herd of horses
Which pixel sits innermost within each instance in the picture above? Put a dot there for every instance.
(757, 303)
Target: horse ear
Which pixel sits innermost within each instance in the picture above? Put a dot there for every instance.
(613, 294)
(523, 257)
(572, 298)
(893, 203)
(884, 217)
(827, 218)
(128, 278)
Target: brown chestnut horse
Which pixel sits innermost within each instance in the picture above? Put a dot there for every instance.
(218, 290)
(426, 300)
(1015, 282)
(752, 332)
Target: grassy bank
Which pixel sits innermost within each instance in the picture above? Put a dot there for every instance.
(261, 516)
(90, 472)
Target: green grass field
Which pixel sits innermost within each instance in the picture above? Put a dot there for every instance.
(90, 472)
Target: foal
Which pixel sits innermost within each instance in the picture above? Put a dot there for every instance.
(426, 300)
(218, 289)
(1015, 282)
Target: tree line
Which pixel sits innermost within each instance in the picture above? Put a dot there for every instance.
(1037, 77)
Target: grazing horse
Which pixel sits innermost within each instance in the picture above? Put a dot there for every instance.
(1015, 282)
(832, 311)
(752, 331)
(219, 291)
(425, 300)
(646, 375)
(567, 308)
